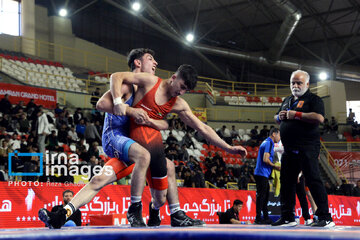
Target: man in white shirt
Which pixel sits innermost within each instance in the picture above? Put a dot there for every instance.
(42, 129)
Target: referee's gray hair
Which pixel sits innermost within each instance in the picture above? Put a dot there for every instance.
(307, 76)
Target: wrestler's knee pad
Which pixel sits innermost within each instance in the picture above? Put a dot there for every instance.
(120, 169)
(158, 183)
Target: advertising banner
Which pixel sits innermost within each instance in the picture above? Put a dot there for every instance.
(41, 96)
(20, 202)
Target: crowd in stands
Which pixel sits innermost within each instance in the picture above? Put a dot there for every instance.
(344, 188)
(30, 128)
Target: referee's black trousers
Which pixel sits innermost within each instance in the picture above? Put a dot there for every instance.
(292, 162)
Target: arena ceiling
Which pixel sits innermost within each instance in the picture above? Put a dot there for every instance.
(243, 40)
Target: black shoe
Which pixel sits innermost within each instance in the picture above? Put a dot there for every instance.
(52, 220)
(179, 219)
(284, 223)
(323, 223)
(154, 217)
(134, 215)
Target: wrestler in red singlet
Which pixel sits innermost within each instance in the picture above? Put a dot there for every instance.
(151, 139)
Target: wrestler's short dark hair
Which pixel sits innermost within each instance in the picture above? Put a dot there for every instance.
(189, 74)
(273, 130)
(68, 191)
(137, 53)
(237, 202)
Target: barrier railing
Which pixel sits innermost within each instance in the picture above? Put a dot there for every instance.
(240, 115)
(342, 146)
(331, 161)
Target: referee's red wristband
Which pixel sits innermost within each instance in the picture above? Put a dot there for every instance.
(298, 115)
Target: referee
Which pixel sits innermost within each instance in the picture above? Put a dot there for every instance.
(299, 117)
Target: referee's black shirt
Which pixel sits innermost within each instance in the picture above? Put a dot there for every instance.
(297, 134)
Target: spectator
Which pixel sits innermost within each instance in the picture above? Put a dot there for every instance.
(24, 124)
(254, 133)
(234, 133)
(53, 142)
(345, 188)
(356, 190)
(180, 170)
(78, 115)
(99, 128)
(245, 176)
(63, 135)
(80, 128)
(220, 182)
(5, 105)
(226, 135)
(5, 122)
(69, 117)
(23, 144)
(91, 134)
(75, 218)
(94, 150)
(72, 135)
(187, 140)
(95, 97)
(30, 107)
(351, 118)
(5, 149)
(189, 179)
(355, 129)
(232, 214)
(60, 120)
(210, 175)
(42, 129)
(14, 142)
(171, 139)
(199, 179)
(58, 110)
(334, 125)
(171, 152)
(18, 107)
(264, 133)
(183, 154)
(329, 188)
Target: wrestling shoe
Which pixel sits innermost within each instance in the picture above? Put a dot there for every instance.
(52, 220)
(284, 223)
(154, 217)
(323, 223)
(134, 215)
(179, 219)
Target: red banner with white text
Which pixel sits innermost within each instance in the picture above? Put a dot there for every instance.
(20, 202)
(348, 162)
(41, 96)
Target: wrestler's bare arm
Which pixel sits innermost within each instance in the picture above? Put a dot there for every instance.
(186, 115)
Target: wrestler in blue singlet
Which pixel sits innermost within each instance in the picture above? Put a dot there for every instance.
(115, 142)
